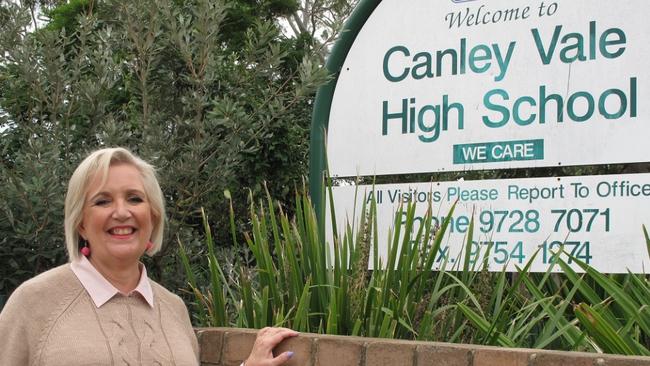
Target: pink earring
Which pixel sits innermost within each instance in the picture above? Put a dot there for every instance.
(149, 245)
(85, 250)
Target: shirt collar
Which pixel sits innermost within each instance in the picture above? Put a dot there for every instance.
(100, 290)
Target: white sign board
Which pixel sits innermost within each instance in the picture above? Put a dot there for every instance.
(442, 85)
(597, 218)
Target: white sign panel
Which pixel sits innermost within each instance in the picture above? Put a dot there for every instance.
(596, 218)
(440, 85)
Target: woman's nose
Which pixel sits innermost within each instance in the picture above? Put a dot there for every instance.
(121, 211)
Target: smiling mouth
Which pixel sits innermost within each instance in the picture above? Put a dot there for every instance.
(121, 231)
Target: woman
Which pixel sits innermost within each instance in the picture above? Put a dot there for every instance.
(101, 308)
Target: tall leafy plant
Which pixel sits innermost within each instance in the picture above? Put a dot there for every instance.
(301, 282)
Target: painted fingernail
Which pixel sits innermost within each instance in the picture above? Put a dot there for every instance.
(290, 354)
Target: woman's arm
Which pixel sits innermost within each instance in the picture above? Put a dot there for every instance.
(14, 347)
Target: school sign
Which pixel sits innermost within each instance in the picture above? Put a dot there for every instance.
(442, 85)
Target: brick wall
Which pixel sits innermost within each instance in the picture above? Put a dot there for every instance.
(229, 346)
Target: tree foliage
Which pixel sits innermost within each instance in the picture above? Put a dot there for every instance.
(210, 92)
(322, 20)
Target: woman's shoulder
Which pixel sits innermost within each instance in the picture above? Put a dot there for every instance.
(164, 295)
(171, 304)
(56, 283)
(40, 295)
(56, 279)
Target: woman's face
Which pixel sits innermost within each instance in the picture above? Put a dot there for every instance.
(117, 219)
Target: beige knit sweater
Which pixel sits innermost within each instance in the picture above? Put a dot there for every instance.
(51, 320)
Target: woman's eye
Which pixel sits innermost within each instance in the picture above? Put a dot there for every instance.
(102, 202)
(136, 199)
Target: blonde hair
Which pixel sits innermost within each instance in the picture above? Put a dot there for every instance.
(99, 162)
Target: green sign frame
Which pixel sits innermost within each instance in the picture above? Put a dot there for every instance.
(323, 103)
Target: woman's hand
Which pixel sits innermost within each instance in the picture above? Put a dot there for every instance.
(267, 339)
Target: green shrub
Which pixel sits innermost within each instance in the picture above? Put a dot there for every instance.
(162, 79)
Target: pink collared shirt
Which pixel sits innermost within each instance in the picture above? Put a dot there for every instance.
(100, 290)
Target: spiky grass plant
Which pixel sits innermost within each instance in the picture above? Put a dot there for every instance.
(301, 282)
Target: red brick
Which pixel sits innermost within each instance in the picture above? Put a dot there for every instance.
(500, 357)
(301, 348)
(607, 360)
(438, 355)
(237, 347)
(338, 351)
(561, 359)
(390, 354)
(210, 343)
